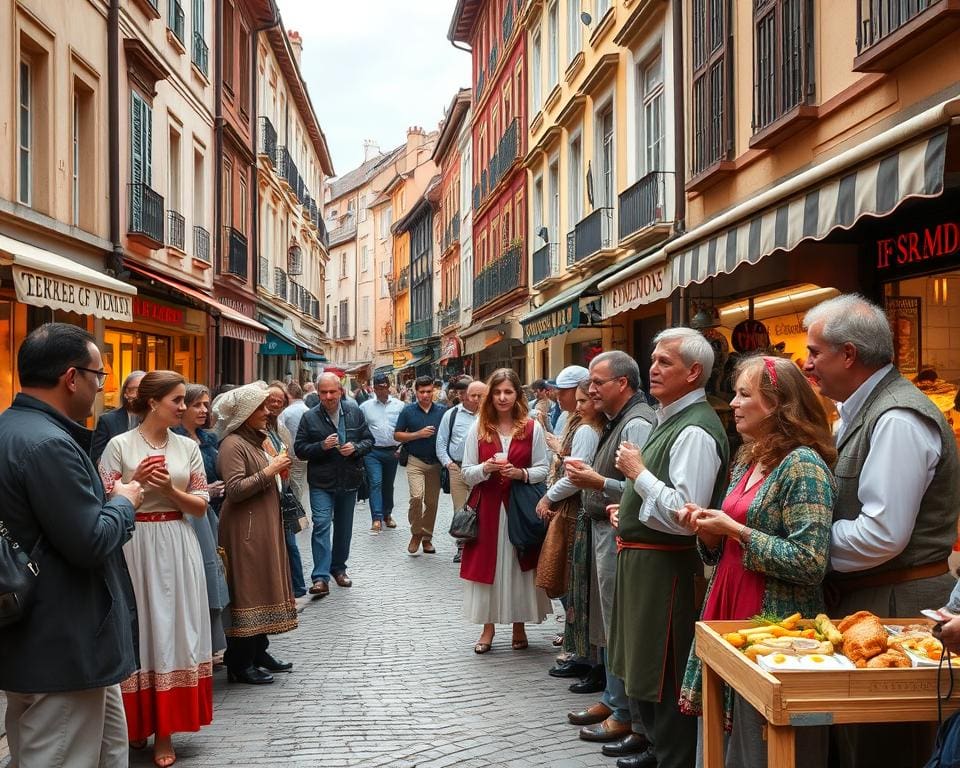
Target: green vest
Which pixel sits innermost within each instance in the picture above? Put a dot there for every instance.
(936, 526)
(656, 457)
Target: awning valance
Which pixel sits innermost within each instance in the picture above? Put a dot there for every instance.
(490, 332)
(291, 343)
(46, 279)
(874, 188)
(423, 359)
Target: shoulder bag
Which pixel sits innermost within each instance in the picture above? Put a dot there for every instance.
(291, 512)
(18, 577)
(465, 523)
(525, 529)
(444, 472)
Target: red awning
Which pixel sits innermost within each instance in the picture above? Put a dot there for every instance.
(450, 348)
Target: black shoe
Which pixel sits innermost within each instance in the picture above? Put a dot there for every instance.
(632, 744)
(267, 662)
(459, 556)
(647, 759)
(250, 675)
(594, 682)
(568, 668)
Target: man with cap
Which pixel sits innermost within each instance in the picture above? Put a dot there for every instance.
(381, 412)
(545, 393)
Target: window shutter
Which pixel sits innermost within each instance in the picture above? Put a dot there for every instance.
(136, 140)
(147, 144)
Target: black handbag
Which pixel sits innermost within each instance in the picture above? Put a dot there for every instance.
(18, 577)
(465, 523)
(291, 511)
(525, 529)
(444, 472)
(402, 456)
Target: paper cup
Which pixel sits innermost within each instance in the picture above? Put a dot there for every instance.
(500, 457)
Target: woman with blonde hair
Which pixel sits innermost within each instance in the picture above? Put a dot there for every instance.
(770, 542)
(173, 689)
(503, 447)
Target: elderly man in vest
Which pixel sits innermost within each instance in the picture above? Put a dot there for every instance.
(895, 517)
(615, 385)
(684, 459)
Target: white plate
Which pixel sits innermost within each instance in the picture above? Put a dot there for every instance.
(789, 663)
(835, 661)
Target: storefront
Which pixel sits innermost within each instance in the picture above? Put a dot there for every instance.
(451, 356)
(492, 344)
(238, 342)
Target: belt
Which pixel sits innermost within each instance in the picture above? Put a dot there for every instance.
(386, 447)
(622, 545)
(886, 578)
(157, 517)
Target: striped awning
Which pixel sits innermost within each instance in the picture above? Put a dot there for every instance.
(875, 188)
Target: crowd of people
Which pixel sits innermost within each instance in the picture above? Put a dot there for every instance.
(167, 537)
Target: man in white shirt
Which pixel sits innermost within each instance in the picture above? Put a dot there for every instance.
(381, 412)
(289, 420)
(895, 516)
(454, 425)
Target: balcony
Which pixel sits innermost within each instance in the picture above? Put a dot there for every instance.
(175, 20)
(593, 234)
(546, 263)
(146, 215)
(499, 278)
(451, 233)
(283, 162)
(201, 244)
(236, 261)
(175, 230)
(890, 33)
(263, 275)
(201, 54)
(279, 282)
(571, 247)
(450, 314)
(643, 205)
(508, 150)
(343, 233)
(268, 139)
(418, 330)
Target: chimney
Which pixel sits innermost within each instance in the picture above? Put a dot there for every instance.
(296, 43)
(370, 149)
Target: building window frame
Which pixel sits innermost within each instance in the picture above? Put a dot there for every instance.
(574, 31)
(651, 148)
(553, 44)
(711, 86)
(783, 75)
(25, 131)
(536, 73)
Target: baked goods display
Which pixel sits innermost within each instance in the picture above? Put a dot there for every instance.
(863, 637)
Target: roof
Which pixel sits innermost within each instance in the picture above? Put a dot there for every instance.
(280, 44)
(363, 173)
(426, 201)
(463, 21)
(456, 114)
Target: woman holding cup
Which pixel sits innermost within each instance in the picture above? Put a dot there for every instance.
(173, 689)
(504, 446)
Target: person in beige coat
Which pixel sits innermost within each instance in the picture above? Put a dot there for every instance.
(251, 533)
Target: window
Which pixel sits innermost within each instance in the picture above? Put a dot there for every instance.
(365, 258)
(75, 175)
(244, 73)
(602, 7)
(574, 34)
(606, 158)
(199, 48)
(365, 313)
(343, 265)
(535, 74)
(227, 193)
(574, 188)
(25, 159)
(553, 221)
(553, 38)
(651, 100)
(363, 207)
(782, 74)
(386, 220)
(173, 173)
(537, 206)
(141, 140)
(344, 319)
(199, 219)
(228, 55)
(711, 93)
(175, 19)
(243, 203)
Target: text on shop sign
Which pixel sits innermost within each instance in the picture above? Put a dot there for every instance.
(158, 313)
(44, 290)
(918, 246)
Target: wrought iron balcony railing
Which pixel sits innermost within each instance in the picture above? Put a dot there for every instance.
(546, 262)
(420, 329)
(881, 18)
(593, 233)
(175, 21)
(236, 261)
(175, 230)
(146, 214)
(500, 277)
(279, 282)
(201, 244)
(268, 139)
(571, 247)
(643, 204)
(450, 314)
(201, 54)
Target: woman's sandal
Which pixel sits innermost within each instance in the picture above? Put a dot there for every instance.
(165, 760)
(519, 645)
(482, 647)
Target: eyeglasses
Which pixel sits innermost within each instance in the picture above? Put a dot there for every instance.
(101, 375)
(601, 382)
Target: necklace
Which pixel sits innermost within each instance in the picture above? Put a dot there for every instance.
(151, 445)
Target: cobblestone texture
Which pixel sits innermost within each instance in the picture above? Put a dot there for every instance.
(385, 675)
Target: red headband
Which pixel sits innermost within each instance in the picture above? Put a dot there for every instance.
(771, 369)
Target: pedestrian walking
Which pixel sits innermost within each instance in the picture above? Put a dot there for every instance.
(381, 413)
(333, 437)
(64, 706)
(454, 425)
(288, 422)
(193, 425)
(505, 446)
(251, 533)
(770, 540)
(895, 518)
(120, 419)
(172, 691)
(417, 431)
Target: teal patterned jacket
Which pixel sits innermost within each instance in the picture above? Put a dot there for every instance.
(791, 517)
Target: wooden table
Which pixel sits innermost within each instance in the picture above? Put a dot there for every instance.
(800, 698)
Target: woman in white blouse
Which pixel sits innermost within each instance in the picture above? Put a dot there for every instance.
(505, 446)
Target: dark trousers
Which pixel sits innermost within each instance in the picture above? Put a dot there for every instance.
(296, 565)
(674, 735)
(381, 465)
(242, 652)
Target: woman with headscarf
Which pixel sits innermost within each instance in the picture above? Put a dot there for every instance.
(251, 533)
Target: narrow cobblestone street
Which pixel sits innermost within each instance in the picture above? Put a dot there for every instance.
(385, 675)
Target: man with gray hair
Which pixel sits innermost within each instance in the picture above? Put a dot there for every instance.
(895, 517)
(684, 459)
(615, 386)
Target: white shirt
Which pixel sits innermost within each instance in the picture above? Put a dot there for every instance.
(452, 450)
(561, 423)
(382, 419)
(472, 469)
(904, 451)
(584, 447)
(694, 463)
(636, 432)
(290, 418)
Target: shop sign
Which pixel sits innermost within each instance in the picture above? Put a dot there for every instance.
(45, 290)
(644, 288)
(153, 312)
(450, 348)
(915, 249)
(560, 320)
(401, 358)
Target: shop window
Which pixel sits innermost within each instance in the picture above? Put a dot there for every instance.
(783, 47)
(711, 101)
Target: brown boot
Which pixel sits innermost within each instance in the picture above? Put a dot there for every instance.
(413, 548)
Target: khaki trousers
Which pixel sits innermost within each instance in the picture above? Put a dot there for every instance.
(459, 490)
(424, 482)
(61, 730)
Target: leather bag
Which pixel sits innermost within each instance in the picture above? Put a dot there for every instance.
(553, 566)
(292, 512)
(18, 578)
(465, 523)
(525, 529)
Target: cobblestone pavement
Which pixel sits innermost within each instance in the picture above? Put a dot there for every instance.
(385, 675)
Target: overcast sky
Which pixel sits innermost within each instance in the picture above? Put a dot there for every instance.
(376, 67)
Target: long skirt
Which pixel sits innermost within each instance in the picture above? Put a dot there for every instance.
(513, 596)
(173, 689)
(576, 630)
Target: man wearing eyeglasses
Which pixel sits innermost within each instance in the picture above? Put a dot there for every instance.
(64, 704)
(119, 420)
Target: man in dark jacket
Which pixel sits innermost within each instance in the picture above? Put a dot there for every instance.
(61, 663)
(119, 420)
(333, 437)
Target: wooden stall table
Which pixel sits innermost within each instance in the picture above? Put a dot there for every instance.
(797, 698)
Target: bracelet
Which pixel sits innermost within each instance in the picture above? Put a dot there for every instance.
(526, 476)
(743, 535)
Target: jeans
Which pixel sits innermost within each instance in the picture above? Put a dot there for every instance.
(296, 565)
(331, 509)
(381, 466)
(615, 695)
